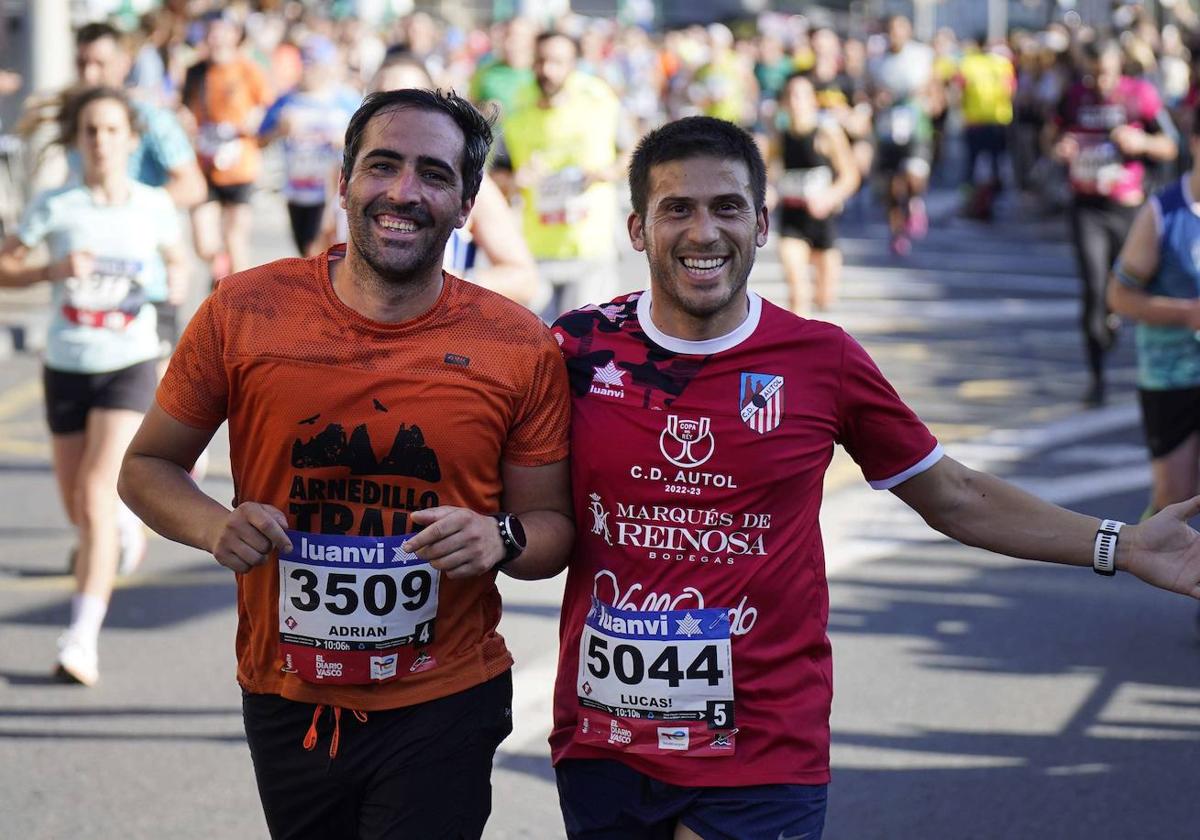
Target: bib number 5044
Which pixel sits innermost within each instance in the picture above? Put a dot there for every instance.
(628, 665)
(378, 594)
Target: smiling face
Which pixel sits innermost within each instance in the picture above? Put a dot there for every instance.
(700, 232)
(404, 194)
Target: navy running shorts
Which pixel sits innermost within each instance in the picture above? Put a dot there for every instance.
(607, 800)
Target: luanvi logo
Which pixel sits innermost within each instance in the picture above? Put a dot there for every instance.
(455, 359)
(408, 454)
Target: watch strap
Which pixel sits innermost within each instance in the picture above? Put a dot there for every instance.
(1104, 549)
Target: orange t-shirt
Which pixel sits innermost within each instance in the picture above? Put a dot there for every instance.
(319, 399)
(229, 94)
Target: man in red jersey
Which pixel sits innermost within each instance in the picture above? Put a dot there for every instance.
(695, 673)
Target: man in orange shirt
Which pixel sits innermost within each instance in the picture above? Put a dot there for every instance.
(226, 94)
(396, 436)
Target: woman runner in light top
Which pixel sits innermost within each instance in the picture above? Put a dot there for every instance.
(114, 246)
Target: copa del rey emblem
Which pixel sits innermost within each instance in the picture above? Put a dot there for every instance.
(760, 401)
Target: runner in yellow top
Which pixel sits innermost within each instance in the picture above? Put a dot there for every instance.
(564, 157)
(988, 82)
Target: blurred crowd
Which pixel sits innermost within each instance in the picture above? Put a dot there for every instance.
(178, 118)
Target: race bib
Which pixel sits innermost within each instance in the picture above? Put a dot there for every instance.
(308, 165)
(219, 144)
(898, 124)
(354, 610)
(560, 198)
(797, 186)
(110, 297)
(656, 682)
(1097, 168)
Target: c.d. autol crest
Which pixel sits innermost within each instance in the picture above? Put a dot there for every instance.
(685, 442)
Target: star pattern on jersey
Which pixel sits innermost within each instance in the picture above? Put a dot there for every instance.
(610, 374)
(688, 626)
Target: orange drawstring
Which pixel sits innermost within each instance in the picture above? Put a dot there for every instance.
(310, 737)
(337, 731)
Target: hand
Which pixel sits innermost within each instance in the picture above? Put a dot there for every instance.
(456, 541)
(818, 206)
(74, 264)
(1066, 149)
(1131, 141)
(1164, 550)
(249, 534)
(531, 173)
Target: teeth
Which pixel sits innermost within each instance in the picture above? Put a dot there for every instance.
(398, 224)
(704, 265)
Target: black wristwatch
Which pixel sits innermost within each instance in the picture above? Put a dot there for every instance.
(512, 534)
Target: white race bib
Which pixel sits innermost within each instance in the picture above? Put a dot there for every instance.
(656, 682)
(354, 610)
(1097, 167)
(111, 296)
(797, 186)
(560, 198)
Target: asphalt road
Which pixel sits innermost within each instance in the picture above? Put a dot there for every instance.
(976, 696)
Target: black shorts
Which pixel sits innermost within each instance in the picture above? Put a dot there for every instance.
(820, 234)
(1168, 418)
(893, 157)
(70, 396)
(306, 224)
(418, 771)
(230, 194)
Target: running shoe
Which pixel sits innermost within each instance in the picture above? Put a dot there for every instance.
(901, 245)
(918, 219)
(78, 661)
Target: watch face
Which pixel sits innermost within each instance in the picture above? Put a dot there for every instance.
(517, 530)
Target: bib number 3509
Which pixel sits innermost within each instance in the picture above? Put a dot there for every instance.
(354, 610)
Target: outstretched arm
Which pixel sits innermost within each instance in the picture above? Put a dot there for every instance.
(981, 510)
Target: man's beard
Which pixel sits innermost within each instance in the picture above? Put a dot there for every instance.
(398, 265)
(667, 268)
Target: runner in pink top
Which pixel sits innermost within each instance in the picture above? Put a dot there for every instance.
(1109, 126)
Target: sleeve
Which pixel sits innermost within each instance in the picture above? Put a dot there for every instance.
(1152, 106)
(883, 435)
(195, 388)
(539, 434)
(35, 222)
(170, 141)
(271, 118)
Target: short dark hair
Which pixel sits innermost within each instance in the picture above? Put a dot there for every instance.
(76, 101)
(1098, 48)
(693, 137)
(551, 34)
(90, 33)
(475, 127)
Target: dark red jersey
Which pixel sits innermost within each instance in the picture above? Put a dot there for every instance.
(693, 635)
